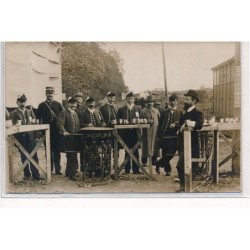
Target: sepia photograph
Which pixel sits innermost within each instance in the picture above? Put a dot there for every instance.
(122, 117)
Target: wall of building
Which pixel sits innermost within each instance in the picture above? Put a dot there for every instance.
(29, 68)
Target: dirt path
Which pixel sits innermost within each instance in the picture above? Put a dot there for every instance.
(126, 183)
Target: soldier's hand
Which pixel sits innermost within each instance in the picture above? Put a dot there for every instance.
(65, 133)
(90, 125)
(172, 125)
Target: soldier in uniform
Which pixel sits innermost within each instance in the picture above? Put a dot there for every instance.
(192, 118)
(109, 110)
(26, 139)
(80, 105)
(68, 123)
(47, 113)
(130, 137)
(91, 117)
(167, 134)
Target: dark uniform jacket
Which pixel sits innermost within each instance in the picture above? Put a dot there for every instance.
(86, 118)
(46, 116)
(68, 122)
(165, 121)
(125, 113)
(16, 115)
(109, 113)
(197, 116)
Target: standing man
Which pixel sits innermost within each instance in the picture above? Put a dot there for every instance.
(91, 117)
(68, 123)
(80, 105)
(192, 118)
(26, 139)
(130, 137)
(47, 113)
(167, 134)
(152, 115)
(109, 110)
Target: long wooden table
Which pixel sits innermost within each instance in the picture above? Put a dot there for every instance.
(217, 129)
(118, 139)
(10, 141)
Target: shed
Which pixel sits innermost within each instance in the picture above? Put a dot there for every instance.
(226, 86)
(29, 68)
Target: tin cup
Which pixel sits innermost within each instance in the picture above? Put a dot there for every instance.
(142, 121)
(227, 120)
(221, 120)
(33, 121)
(19, 123)
(126, 122)
(113, 122)
(145, 121)
(37, 121)
(134, 120)
(236, 119)
(120, 121)
(138, 120)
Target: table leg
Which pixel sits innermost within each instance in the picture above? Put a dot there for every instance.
(215, 166)
(115, 156)
(48, 160)
(149, 151)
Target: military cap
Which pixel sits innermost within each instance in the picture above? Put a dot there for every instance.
(110, 93)
(150, 99)
(193, 93)
(90, 99)
(72, 99)
(173, 97)
(50, 90)
(130, 94)
(79, 94)
(21, 98)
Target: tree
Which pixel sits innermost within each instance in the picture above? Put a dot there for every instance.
(88, 68)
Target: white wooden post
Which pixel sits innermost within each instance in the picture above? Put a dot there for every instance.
(48, 160)
(187, 161)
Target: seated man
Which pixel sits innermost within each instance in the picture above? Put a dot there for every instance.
(26, 139)
(68, 123)
(90, 117)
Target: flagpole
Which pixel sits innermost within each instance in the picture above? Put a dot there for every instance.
(164, 70)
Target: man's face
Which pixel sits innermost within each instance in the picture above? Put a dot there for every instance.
(50, 96)
(188, 102)
(72, 105)
(130, 100)
(21, 104)
(91, 105)
(111, 99)
(79, 100)
(173, 103)
(150, 104)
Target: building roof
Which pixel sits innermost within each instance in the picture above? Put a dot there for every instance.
(222, 64)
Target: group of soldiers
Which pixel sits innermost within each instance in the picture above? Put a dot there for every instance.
(166, 129)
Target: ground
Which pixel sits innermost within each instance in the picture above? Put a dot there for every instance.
(126, 183)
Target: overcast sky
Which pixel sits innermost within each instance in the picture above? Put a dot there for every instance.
(188, 65)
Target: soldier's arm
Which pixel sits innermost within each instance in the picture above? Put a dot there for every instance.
(61, 122)
(199, 121)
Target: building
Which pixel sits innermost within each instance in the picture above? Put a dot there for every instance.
(29, 68)
(226, 86)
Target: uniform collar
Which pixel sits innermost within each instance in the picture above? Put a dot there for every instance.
(71, 111)
(22, 111)
(130, 106)
(91, 111)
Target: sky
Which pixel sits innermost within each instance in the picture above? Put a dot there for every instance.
(188, 64)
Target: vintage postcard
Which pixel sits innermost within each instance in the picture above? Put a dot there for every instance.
(122, 117)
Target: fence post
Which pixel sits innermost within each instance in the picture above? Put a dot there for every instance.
(187, 160)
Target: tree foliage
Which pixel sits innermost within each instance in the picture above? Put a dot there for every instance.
(88, 68)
